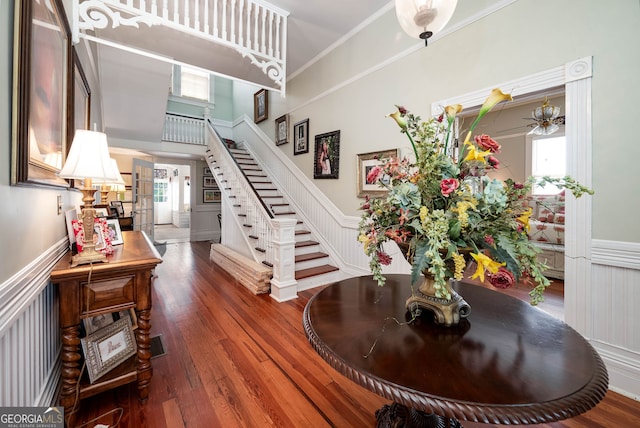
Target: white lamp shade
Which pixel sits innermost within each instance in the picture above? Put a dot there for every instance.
(89, 158)
(417, 16)
(118, 180)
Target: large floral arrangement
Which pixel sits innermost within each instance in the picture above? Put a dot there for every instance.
(443, 206)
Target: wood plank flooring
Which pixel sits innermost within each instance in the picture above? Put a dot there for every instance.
(234, 359)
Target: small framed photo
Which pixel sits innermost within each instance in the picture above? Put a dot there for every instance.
(102, 212)
(108, 347)
(128, 313)
(282, 130)
(369, 184)
(211, 195)
(260, 105)
(301, 137)
(119, 208)
(93, 324)
(327, 155)
(209, 182)
(206, 171)
(113, 229)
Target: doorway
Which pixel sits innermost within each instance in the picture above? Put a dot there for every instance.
(172, 203)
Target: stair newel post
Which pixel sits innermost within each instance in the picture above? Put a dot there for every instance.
(284, 284)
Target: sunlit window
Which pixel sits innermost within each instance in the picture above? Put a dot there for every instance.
(194, 83)
(548, 158)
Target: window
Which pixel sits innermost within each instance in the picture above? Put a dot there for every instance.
(194, 83)
(548, 158)
(160, 191)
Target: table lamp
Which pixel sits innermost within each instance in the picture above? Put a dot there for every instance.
(105, 186)
(88, 160)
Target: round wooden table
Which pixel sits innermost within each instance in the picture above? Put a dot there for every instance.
(507, 363)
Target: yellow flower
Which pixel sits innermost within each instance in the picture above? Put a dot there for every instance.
(474, 154)
(524, 219)
(451, 112)
(423, 215)
(460, 264)
(483, 263)
(400, 120)
(494, 98)
(364, 238)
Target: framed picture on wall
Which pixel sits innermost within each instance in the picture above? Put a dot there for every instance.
(327, 155)
(367, 183)
(301, 137)
(42, 104)
(260, 105)
(209, 182)
(282, 130)
(209, 196)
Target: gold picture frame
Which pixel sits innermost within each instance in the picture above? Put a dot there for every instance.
(42, 93)
(260, 105)
(108, 347)
(366, 162)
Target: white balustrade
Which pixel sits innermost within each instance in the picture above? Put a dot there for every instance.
(253, 28)
(183, 129)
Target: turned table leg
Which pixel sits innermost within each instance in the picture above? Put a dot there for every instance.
(145, 371)
(70, 367)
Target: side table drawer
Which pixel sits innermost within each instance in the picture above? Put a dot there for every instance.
(112, 293)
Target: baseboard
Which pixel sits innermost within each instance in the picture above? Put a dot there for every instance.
(623, 367)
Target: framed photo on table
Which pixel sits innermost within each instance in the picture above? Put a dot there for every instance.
(301, 137)
(106, 348)
(367, 183)
(119, 208)
(282, 130)
(260, 105)
(42, 105)
(327, 155)
(115, 234)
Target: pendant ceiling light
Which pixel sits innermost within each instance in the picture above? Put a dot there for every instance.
(423, 18)
(546, 119)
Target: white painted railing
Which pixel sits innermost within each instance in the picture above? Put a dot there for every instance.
(253, 28)
(275, 236)
(183, 129)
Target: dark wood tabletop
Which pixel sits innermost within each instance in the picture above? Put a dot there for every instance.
(507, 363)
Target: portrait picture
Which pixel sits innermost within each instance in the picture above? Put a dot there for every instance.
(327, 155)
(260, 105)
(301, 137)
(282, 130)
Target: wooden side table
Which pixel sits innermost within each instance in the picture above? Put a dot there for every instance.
(101, 288)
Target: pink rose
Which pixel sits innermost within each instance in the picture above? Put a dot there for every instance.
(373, 174)
(501, 279)
(448, 186)
(487, 143)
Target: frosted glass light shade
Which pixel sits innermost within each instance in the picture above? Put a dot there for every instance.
(89, 158)
(416, 17)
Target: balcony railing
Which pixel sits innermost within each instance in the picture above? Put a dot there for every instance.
(183, 129)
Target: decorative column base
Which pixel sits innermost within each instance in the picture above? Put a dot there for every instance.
(396, 415)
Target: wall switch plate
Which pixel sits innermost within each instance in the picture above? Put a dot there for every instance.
(59, 204)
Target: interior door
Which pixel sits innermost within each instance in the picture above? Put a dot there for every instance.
(142, 183)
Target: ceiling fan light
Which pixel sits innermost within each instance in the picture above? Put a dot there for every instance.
(418, 17)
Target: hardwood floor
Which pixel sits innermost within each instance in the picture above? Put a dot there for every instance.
(238, 360)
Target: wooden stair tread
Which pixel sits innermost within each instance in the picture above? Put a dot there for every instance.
(314, 271)
(305, 244)
(310, 256)
(302, 232)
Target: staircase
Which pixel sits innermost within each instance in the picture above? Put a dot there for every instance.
(312, 264)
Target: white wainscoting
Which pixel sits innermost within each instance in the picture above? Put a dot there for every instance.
(30, 334)
(615, 285)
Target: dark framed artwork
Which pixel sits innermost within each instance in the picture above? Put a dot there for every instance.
(211, 195)
(282, 130)
(366, 163)
(260, 105)
(301, 137)
(327, 155)
(81, 113)
(42, 93)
